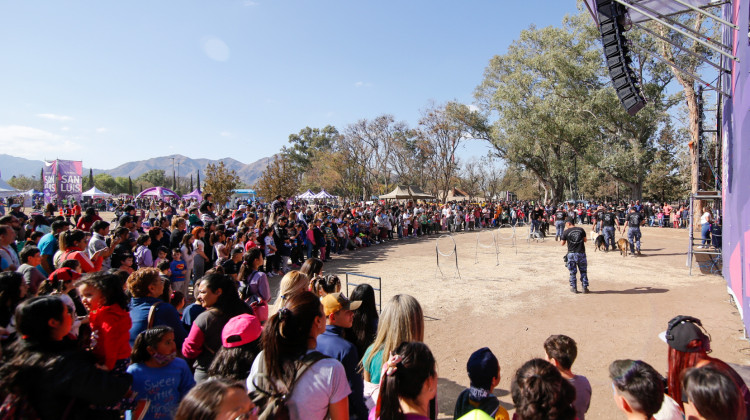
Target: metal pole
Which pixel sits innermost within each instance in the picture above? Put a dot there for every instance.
(676, 29)
(708, 15)
(665, 61)
(688, 52)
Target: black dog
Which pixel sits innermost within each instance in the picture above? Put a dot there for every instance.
(599, 243)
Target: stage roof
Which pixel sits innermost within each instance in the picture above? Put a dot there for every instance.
(661, 7)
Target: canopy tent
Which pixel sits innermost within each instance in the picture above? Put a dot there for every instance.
(7, 191)
(404, 192)
(243, 191)
(307, 195)
(33, 192)
(323, 195)
(160, 192)
(96, 193)
(194, 195)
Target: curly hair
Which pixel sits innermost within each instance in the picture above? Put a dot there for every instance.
(141, 279)
(539, 392)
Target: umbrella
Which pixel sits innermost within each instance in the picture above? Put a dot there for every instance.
(196, 194)
(160, 192)
(96, 193)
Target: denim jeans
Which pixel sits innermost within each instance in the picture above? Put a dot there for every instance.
(706, 234)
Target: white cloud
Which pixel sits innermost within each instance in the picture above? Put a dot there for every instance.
(101, 130)
(362, 84)
(65, 128)
(225, 134)
(215, 48)
(33, 143)
(55, 117)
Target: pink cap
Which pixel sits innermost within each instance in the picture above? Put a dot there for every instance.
(240, 330)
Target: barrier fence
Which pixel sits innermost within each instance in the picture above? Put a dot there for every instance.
(378, 289)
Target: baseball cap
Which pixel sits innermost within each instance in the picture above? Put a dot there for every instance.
(64, 274)
(681, 331)
(240, 330)
(334, 302)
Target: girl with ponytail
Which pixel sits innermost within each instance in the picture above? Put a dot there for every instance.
(408, 384)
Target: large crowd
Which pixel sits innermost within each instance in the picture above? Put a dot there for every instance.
(166, 312)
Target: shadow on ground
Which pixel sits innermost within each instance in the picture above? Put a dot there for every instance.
(448, 392)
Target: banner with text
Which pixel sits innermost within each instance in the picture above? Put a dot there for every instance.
(63, 181)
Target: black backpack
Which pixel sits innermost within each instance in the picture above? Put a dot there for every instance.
(271, 398)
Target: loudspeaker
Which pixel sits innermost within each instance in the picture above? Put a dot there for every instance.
(617, 55)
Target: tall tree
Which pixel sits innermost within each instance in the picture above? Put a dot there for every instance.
(220, 182)
(130, 186)
(273, 181)
(198, 181)
(191, 182)
(443, 132)
(154, 178)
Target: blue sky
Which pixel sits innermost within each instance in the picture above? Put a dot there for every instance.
(110, 82)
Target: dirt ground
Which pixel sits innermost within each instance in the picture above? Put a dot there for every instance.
(514, 306)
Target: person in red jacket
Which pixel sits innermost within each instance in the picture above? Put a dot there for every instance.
(103, 295)
(84, 223)
(73, 243)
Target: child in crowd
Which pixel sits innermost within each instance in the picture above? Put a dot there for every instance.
(104, 297)
(158, 374)
(177, 299)
(177, 271)
(484, 375)
(161, 255)
(562, 352)
(165, 272)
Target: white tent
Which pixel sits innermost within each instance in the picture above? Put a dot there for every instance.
(323, 194)
(96, 193)
(7, 191)
(307, 195)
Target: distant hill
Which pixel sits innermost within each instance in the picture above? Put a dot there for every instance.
(248, 173)
(11, 165)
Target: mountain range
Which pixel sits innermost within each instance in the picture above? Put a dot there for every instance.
(248, 173)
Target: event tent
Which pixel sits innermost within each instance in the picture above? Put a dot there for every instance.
(96, 193)
(160, 192)
(7, 191)
(194, 195)
(324, 195)
(405, 192)
(307, 195)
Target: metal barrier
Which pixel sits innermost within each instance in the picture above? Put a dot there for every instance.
(438, 254)
(511, 237)
(493, 245)
(378, 289)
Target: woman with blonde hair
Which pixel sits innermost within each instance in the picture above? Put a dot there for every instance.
(401, 320)
(292, 284)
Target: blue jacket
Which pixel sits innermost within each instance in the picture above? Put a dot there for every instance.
(332, 344)
(166, 314)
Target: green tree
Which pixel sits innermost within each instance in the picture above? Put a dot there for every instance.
(153, 178)
(23, 182)
(306, 143)
(220, 182)
(274, 180)
(106, 183)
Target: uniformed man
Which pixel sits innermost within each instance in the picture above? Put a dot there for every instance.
(575, 238)
(608, 229)
(559, 222)
(633, 223)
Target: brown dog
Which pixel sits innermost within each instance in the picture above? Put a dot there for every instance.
(622, 245)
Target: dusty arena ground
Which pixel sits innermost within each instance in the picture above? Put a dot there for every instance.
(514, 306)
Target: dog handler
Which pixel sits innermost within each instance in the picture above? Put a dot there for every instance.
(633, 223)
(608, 229)
(575, 238)
(559, 222)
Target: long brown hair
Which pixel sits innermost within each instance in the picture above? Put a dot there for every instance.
(286, 333)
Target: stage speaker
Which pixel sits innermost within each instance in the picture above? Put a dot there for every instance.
(617, 55)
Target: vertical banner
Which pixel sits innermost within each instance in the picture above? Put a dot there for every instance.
(50, 181)
(63, 179)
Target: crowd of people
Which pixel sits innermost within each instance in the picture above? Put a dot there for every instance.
(170, 315)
